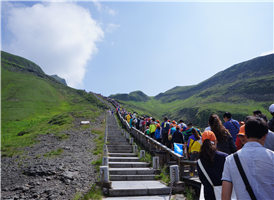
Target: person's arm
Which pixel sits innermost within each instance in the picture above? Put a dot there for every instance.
(226, 190)
(238, 143)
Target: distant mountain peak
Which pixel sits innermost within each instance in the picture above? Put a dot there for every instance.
(62, 80)
(132, 96)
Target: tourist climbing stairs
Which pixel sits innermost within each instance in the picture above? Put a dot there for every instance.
(128, 175)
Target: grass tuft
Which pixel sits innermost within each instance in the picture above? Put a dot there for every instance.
(53, 154)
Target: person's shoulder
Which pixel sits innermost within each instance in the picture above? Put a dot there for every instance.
(270, 134)
(269, 152)
(221, 154)
(235, 121)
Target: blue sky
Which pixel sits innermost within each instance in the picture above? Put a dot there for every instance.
(120, 47)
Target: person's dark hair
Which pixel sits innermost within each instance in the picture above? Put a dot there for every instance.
(263, 116)
(207, 152)
(153, 119)
(195, 133)
(227, 114)
(256, 127)
(165, 118)
(190, 124)
(217, 128)
(181, 121)
(257, 112)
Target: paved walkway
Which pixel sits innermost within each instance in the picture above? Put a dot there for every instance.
(131, 179)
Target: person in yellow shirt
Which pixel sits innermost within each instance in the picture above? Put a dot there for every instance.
(128, 117)
(152, 128)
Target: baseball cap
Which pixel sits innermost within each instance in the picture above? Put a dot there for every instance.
(242, 130)
(177, 126)
(208, 135)
(271, 108)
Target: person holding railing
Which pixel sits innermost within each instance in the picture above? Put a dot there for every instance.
(170, 134)
(177, 137)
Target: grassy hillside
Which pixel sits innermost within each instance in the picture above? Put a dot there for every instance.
(22, 62)
(33, 105)
(240, 89)
(133, 96)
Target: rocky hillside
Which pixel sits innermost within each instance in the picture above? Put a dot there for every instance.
(59, 79)
(45, 153)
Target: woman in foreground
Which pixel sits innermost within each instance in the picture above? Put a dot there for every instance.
(213, 163)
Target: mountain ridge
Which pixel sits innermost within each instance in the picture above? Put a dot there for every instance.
(240, 89)
(132, 96)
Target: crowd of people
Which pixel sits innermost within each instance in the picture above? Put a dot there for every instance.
(251, 141)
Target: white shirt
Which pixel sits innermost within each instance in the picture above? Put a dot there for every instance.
(208, 128)
(269, 141)
(258, 165)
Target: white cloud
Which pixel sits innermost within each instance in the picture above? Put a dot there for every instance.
(267, 53)
(102, 8)
(98, 6)
(59, 37)
(112, 27)
(110, 11)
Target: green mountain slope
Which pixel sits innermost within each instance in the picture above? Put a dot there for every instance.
(34, 103)
(133, 96)
(256, 68)
(240, 89)
(17, 60)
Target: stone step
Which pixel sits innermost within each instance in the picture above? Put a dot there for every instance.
(132, 177)
(118, 143)
(120, 151)
(128, 164)
(131, 171)
(117, 139)
(123, 159)
(156, 197)
(120, 146)
(137, 188)
(122, 155)
(125, 147)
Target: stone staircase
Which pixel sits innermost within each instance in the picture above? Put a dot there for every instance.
(129, 176)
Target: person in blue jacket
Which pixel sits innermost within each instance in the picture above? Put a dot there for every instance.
(157, 134)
